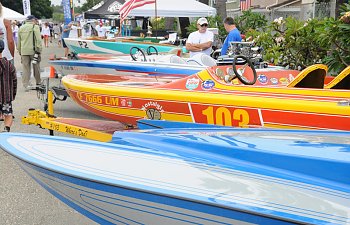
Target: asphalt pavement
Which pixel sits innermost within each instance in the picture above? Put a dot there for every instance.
(22, 200)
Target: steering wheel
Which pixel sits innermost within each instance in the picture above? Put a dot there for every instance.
(149, 50)
(239, 72)
(137, 54)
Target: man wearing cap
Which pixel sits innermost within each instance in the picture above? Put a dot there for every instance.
(29, 48)
(233, 34)
(200, 41)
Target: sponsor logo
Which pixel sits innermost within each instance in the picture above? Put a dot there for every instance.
(114, 7)
(274, 80)
(125, 102)
(192, 83)
(284, 80)
(153, 114)
(291, 77)
(153, 110)
(262, 79)
(208, 84)
(154, 105)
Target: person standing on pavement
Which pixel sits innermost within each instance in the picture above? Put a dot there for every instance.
(45, 33)
(14, 28)
(65, 34)
(8, 88)
(6, 36)
(201, 40)
(29, 48)
(57, 33)
(233, 34)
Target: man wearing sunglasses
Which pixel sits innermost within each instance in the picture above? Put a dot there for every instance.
(201, 40)
(233, 34)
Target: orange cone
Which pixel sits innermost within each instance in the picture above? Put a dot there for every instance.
(52, 72)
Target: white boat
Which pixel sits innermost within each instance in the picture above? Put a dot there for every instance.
(195, 176)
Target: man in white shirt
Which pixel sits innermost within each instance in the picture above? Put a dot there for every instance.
(200, 41)
(101, 31)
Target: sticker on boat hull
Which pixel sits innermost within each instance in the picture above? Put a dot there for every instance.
(192, 83)
(274, 80)
(208, 84)
(284, 80)
(262, 78)
(153, 110)
(153, 114)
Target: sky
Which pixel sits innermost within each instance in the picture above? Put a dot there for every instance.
(58, 2)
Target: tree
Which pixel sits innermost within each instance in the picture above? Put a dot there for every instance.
(39, 8)
(89, 4)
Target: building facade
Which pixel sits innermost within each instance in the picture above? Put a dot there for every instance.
(272, 9)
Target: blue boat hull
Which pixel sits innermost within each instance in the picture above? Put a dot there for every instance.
(195, 176)
(107, 204)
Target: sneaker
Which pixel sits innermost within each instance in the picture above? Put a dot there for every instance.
(31, 87)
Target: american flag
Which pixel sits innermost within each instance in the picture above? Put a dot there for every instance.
(245, 4)
(130, 5)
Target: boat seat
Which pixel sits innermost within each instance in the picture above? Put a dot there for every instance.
(311, 77)
(177, 60)
(202, 59)
(342, 81)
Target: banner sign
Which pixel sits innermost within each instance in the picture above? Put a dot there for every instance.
(67, 13)
(26, 7)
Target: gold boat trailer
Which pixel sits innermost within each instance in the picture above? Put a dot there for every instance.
(98, 130)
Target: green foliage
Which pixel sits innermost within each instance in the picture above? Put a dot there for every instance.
(89, 4)
(158, 23)
(298, 44)
(39, 8)
(291, 42)
(334, 36)
(58, 17)
(250, 20)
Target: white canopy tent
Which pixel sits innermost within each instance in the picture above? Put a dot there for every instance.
(175, 8)
(11, 14)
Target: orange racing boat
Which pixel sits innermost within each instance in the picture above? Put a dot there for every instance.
(280, 98)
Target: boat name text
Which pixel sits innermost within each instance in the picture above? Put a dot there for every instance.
(105, 100)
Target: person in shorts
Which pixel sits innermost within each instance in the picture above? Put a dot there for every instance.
(8, 88)
(65, 34)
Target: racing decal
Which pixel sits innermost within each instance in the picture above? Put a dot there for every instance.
(192, 83)
(98, 99)
(263, 79)
(225, 115)
(208, 84)
(153, 110)
(153, 114)
(124, 102)
(291, 77)
(274, 80)
(284, 80)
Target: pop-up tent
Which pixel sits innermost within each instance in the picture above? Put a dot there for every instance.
(175, 8)
(11, 14)
(108, 9)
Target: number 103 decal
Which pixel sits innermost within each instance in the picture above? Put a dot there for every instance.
(225, 116)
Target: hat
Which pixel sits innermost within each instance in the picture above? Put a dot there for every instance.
(31, 17)
(202, 21)
(2, 46)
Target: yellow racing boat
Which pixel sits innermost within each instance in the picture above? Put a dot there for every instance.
(279, 98)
